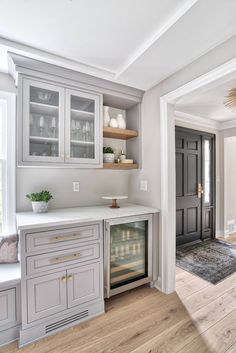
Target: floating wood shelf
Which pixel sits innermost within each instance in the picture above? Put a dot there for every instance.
(122, 166)
(122, 134)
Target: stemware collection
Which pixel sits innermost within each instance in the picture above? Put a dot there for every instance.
(44, 126)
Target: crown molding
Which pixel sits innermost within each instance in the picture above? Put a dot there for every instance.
(157, 35)
(37, 54)
(228, 124)
(34, 53)
(196, 120)
(201, 121)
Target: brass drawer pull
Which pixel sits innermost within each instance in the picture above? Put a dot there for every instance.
(65, 237)
(65, 258)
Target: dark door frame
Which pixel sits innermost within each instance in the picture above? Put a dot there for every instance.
(211, 136)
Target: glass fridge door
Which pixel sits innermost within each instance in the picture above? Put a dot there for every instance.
(128, 253)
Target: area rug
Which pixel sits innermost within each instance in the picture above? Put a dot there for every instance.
(211, 260)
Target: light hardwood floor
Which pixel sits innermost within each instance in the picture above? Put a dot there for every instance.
(230, 238)
(198, 318)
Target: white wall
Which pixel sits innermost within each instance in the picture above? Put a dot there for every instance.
(151, 125)
(93, 184)
(7, 83)
(230, 181)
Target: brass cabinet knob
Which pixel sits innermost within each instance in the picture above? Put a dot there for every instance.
(70, 277)
(62, 155)
(63, 279)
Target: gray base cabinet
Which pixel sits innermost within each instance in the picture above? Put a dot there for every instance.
(7, 306)
(9, 313)
(46, 295)
(87, 275)
(62, 278)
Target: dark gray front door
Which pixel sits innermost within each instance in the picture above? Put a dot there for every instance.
(194, 186)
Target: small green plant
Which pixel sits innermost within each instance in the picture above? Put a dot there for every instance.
(108, 150)
(43, 195)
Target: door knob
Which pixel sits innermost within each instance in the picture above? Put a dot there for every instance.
(200, 191)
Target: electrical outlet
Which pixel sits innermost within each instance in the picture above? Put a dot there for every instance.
(143, 185)
(76, 186)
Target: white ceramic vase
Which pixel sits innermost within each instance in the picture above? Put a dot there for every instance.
(113, 123)
(108, 157)
(121, 121)
(40, 206)
(106, 116)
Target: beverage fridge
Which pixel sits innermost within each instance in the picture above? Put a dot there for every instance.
(127, 253)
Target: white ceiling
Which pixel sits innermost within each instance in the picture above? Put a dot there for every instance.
(208, 103)
(135, 42)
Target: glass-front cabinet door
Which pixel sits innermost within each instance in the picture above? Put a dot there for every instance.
(82, 127)
(43, 122)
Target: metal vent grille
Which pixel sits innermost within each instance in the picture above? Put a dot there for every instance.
(56, 325)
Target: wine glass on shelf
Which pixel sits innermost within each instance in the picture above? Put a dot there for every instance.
(92, 131)
(87, 131)
(53, 150)
(78, 130)
(73, 129)
(53, 127)
(41, 125)
(84, 132)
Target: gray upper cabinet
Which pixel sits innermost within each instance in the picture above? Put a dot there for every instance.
(43, 122)
(58, 125)
(82, 127)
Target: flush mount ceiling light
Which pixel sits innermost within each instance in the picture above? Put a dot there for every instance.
(230, 100)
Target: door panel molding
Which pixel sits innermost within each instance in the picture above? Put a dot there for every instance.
(195, 167)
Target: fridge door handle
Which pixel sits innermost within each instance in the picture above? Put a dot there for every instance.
(108, 258)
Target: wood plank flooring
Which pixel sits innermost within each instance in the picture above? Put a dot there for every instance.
(198, 318)
(230, 238)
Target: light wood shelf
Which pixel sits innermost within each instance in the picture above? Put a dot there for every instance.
(122, 134)
(122, 166)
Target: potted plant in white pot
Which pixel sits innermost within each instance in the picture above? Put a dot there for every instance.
(108, 155)
(40, 200)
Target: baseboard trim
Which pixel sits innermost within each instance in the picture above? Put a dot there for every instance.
(219, 233)
(9, 335)
(35, 333)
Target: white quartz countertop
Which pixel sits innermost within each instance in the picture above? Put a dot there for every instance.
(57, 217)
(10, 274)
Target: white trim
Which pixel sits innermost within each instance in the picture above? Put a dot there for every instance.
(228, 124)
(92, 69)
(9, 170)
(196, 120)
(34, 53)
(219, 233)
(205, 122)
(157, 35)
(168, 198)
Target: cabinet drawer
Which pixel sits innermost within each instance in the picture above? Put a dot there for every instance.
(7, 308)
(45, 262)
(62, 237)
